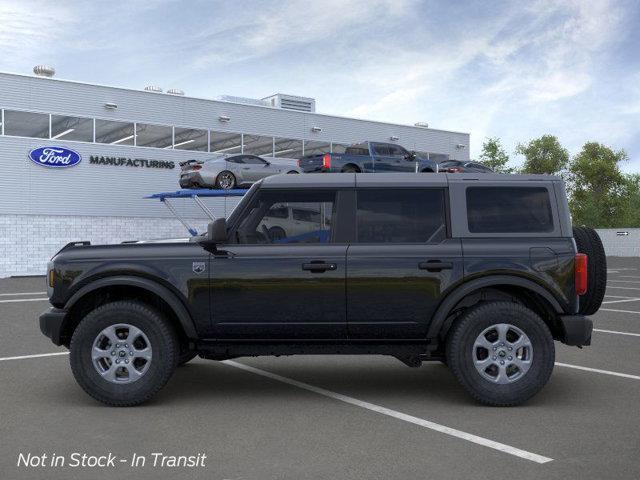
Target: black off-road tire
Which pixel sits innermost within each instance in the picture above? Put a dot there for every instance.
(164, 345)
(459, 353)
(588, 242)
(186, 356)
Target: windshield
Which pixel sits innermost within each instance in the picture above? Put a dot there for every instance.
(234, 213)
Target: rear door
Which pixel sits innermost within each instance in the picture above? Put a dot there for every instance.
(382, 159)
(402, 260)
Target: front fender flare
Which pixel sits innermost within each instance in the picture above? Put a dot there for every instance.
(453, 298)
(161, 291)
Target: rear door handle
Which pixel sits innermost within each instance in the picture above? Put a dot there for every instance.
(318, 266)
(435, 266)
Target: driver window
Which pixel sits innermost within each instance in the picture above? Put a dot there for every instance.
(397, 151)
(281, 217)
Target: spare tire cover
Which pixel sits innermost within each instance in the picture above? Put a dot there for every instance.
(588, 242)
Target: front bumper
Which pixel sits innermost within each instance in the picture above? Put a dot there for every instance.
(51, 322)
(576, 330)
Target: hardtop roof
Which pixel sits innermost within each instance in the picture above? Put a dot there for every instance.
(328, 180)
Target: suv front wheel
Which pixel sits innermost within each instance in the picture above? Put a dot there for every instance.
(501, 352)
(123, 353)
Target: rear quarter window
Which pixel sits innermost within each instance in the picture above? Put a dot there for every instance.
(509, 210)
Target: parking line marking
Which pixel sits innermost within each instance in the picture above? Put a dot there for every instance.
(624, 281)
(21, 293)
(616, 332)
(38, 355)
(619, 311)
(628, 276)
(620, 301)
(597, 370)
(616, 296)
(485, 442)
(622, 288)
(16, 300)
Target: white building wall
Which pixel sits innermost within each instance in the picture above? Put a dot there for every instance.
(617, 244)
(42, 209)
(27, 242)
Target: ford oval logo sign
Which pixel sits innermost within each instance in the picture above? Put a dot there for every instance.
(56, 157)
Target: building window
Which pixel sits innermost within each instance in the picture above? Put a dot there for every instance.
(258, 145)
(224, 142)
(312, 147)
(26, 124)
(72, 128)
(157, 136)
(287, 148)
(114, 133)
(190, 139)
(338, 147)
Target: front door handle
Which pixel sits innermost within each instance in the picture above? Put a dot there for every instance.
(435, 266)
(318, 266)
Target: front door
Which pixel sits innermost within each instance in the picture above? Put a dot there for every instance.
(281, 278)
(402, 161)
(401, 262)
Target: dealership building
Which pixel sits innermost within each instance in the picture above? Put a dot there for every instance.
(128, 144)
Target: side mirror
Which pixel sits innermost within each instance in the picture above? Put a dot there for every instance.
(217, 231)
(267, 164)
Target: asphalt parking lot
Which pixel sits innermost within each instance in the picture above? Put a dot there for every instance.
(351, 417)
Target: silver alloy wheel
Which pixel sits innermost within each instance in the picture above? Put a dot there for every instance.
(121, 353)
(226, 180)
(502, 353)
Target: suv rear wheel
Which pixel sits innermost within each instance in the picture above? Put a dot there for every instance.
(123, 353)
(501, 352)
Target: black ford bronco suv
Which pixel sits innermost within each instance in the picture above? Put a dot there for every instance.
(481, 272)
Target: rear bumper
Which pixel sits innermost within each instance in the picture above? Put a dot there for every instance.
(51, 322)
(576, 330)
(191, 180)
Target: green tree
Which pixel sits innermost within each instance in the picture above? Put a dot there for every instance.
(600, 193)
(543, 155)
(494, 156)
(631, 211)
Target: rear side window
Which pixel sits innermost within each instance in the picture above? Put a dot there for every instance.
(356, 151)
(401, 216)
(509, 210)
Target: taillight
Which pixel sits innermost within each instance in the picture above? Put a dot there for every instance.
(326, 161)
(580, 265)
(298, 162)
(196, 167)
(454, 170)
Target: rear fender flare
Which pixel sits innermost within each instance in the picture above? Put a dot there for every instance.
(439, 318)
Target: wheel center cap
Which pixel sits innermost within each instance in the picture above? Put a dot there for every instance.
(502, 353)
(122, 353)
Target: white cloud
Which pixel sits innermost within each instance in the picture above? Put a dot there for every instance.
(30, 30)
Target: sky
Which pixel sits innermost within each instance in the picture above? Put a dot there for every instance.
(513, 70)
